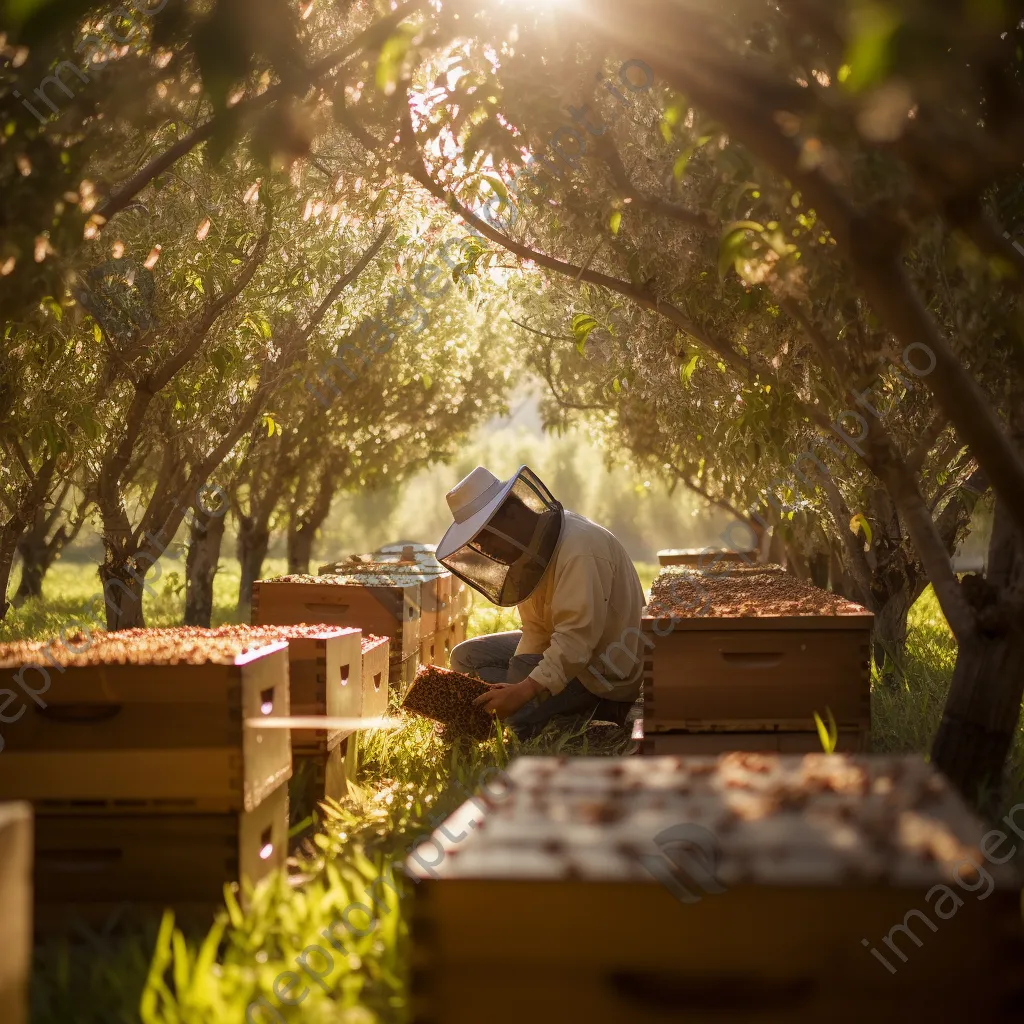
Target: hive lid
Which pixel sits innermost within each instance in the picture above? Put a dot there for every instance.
(744, 592)
(182, 645)
(369, 574)
(370, 642)
(768, 819)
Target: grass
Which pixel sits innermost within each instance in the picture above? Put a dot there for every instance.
(408, 779)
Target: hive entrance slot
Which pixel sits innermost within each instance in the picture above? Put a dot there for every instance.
(376, 680)
(266, 843)
(752, 659)
(344, 674)
(267, 701)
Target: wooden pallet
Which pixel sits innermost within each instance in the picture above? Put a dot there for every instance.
(153, 738)
(391, 610)
(376, 676)
(16, 914)
(810, 863)
(100, 861)
(744, 675)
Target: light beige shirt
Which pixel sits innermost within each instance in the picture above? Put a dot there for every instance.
(584, 616)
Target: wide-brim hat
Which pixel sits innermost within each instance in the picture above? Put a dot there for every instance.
(473, 500)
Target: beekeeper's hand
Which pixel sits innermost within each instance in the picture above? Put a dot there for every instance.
(504, 699)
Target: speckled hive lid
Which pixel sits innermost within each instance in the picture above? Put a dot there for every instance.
(775, 820)
(742, 591)
(183, 645)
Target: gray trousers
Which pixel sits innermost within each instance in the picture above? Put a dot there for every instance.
(493, 658)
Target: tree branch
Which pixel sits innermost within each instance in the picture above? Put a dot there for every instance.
(374, 35)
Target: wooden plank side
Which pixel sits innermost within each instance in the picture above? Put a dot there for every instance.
(16, 853)
(780, 678)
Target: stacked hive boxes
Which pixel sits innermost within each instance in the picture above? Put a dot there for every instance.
(452, 600)
(365, 595)
(743, 660)
(751, 887)
(15, 910)
(148, 789)
(325, 678)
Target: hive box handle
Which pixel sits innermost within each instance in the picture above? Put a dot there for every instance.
(79, 860)
(323, 606)
(737, 993)
(81, 714)
(752, 659)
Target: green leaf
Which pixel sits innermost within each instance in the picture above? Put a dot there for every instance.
(829, 737)
(614, 221)
(198, 285)
(860, 521)
(97, 334)
(679, 167)
(616, 385)
(582, 325)
(392, 53)
(734, 241)
(873, 27)
(687, 368)
(272, 427)
(666, 130)
(427, 380)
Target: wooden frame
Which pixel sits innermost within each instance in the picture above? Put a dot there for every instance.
(154, 739)
(700, 557)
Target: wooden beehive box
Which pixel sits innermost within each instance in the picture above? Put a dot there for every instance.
(784, 876)
(753, 649)
(89, 865)
(150, 721)
(376, 665)
(704, 558)
(325, 676)
(371, 599)
(15, 910)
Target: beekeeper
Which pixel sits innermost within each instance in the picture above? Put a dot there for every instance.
(577, 656)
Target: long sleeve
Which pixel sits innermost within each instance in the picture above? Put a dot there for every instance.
(579, 609)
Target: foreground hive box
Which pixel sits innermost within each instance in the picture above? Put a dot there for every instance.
(372, 598)
(778, 880)
(149, 721)
(753, 650)
(15, 910)
(89, 865)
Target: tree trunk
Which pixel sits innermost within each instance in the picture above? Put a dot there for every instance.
(122, 593)
(818, 566)
(36, 558)
(981, 714)
(300, 547)
(8, 547)
(204, 541)
(253, 541)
